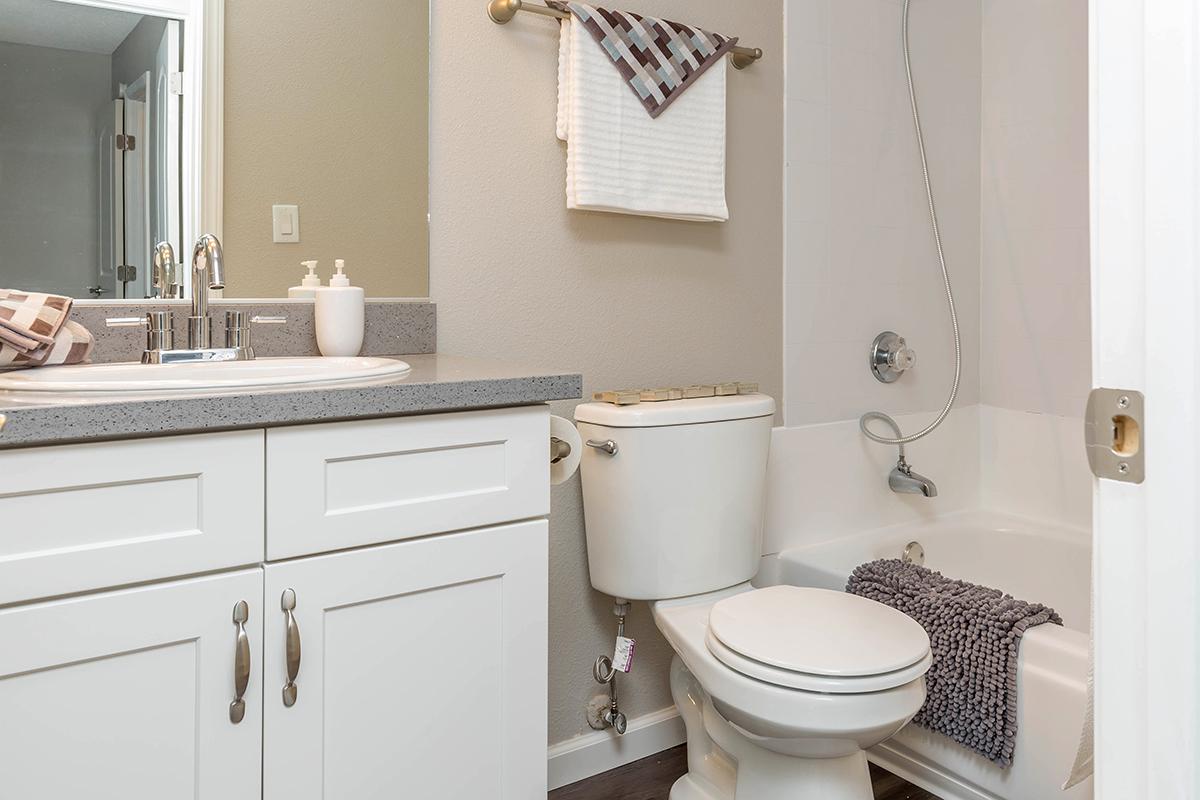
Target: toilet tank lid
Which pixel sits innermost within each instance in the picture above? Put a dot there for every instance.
(676, 412)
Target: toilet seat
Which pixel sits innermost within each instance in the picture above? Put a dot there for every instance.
(817, 640)
(790, 679)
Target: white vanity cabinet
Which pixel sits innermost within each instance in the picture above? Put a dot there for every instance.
(127, 694)
(413, 552)
(421, 671)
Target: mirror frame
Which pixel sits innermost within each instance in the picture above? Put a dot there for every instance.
(202, 156)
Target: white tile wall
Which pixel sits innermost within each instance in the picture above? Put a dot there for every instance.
(826, 480)
(1036, 328)
(860, 257)
(1003, 91)
(1034, 465)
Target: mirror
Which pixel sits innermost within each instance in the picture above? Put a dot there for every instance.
(89, 146)
(113, 141)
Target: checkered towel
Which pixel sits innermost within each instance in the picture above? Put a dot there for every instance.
(658, 58)
(35, 331)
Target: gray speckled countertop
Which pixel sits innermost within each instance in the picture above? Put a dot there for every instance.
(436, 383)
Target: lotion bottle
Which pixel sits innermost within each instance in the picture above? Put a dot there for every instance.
(308, 284)
(340, 315)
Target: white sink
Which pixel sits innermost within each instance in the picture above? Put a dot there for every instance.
(225, 376)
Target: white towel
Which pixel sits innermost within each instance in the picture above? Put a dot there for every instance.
(621, 160)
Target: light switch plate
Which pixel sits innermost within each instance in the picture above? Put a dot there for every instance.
(285, 223)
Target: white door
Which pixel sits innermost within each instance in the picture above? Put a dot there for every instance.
(126, 695)
(109, 286)
(137, 188)
(421, 671)
(1145, 176)
(165, 121)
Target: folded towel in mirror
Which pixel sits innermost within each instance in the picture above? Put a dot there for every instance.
(35, 331)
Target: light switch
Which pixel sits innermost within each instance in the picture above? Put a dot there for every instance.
(285, 222)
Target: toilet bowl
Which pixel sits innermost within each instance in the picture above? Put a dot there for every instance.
(782, 689)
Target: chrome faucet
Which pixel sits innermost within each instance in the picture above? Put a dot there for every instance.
(208, 272)
(903, 480)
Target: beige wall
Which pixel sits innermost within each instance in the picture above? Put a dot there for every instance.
(627, 301)
(325, 107)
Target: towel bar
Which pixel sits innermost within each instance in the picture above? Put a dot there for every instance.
(501, 11)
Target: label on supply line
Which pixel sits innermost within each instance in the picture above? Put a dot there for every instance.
(623, 654)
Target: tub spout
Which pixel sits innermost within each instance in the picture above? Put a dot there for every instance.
(903, 480)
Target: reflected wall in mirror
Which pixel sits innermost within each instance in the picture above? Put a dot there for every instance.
(117, 135)
(89, 147)
(326, 108)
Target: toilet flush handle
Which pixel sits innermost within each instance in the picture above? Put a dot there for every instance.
(607, 445)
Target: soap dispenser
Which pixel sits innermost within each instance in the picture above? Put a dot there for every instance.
(340, 315)
(307, 289)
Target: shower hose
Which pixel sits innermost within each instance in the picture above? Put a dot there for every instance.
(863, 422)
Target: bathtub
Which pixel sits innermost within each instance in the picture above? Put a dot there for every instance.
(1031, 561)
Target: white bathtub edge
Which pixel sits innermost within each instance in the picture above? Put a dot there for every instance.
(923, 774)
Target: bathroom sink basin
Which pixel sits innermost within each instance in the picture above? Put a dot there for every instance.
(226, 376)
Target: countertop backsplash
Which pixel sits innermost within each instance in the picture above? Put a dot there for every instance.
(392, 327)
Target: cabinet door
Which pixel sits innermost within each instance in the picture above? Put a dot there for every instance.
(126, 695)
(422, 670)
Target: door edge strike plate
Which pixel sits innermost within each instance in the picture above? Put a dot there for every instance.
(1115, 435)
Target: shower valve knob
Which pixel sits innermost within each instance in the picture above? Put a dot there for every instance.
(904, 359)
(891, 357)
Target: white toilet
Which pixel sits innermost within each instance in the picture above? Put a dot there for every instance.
(781, 689)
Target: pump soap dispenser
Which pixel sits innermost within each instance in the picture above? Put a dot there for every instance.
(308, 284)
(340, 315)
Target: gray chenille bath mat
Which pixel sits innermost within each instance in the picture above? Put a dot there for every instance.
(974, 633)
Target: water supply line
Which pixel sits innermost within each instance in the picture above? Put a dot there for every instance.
(863, 421)
(604, 671)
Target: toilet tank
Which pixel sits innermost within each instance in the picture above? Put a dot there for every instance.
(677, 509)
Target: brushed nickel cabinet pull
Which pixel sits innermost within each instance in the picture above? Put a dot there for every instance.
(241, 662)
(292, 647)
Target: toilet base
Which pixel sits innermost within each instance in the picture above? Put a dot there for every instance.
(688, 788)
(725, 764)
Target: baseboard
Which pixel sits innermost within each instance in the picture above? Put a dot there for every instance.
(599, 751)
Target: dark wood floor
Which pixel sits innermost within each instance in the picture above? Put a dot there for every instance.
(651, 779)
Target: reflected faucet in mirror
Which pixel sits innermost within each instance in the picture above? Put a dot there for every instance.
(166, 276)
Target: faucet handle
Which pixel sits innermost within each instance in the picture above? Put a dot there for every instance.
(237, 331)
(159, 333)
(124, 322)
